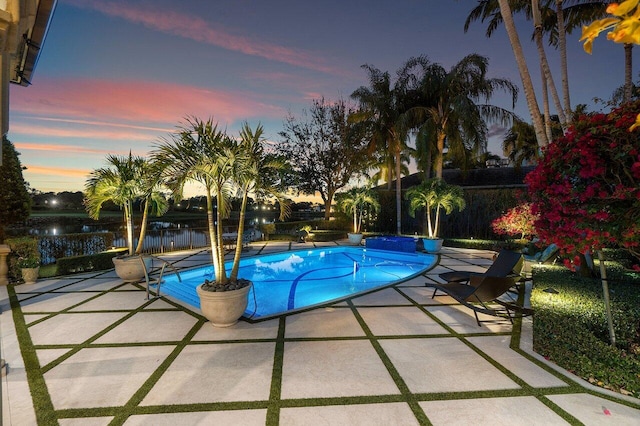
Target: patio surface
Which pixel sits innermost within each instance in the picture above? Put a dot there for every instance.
(91, 350)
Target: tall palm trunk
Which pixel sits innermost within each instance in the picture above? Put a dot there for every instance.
(220, 252)
(440, 158)
(143, 226)
(128, 217)
(562, 46)
(240, 238)
(398, 189)
(545, 105)
(628, 69)
(532, 103)
(213, 237)
(537, 23)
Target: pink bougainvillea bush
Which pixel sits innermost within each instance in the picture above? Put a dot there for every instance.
(517, 222)
(585, 189)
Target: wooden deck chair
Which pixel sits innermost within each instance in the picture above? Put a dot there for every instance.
(482, 294)
(507, 264)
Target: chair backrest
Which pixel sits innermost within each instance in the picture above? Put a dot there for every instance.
(489, 288)
(548, 253)
(505, 264)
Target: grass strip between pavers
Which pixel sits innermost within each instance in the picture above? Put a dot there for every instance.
(395, 375)
(275, 392)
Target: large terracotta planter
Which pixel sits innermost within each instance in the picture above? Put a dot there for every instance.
(223, 308)
(130, 269)
(30, 275)
(355, 239)
(432, 245)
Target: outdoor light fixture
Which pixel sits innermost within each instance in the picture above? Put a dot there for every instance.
(551, 290)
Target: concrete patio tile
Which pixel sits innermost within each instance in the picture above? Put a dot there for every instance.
(461, 320)
(169, 326)
(114, 301)
(443, 365)
(497, 347)
(53, 302)
(86, 421)
(590, 410)
(91, 285)
(236, 417)
(413, 282)
(43, 285)
(385, 297)
(28, 319)
(216, 373)
(438, 270)
(328, 322)
(71, 328)
(102, 377)
(422, 296)
(241, 330)
(45, 356)
(491, 412)
(397, 413)
(160, 304)
(334, 369)
(399, 321)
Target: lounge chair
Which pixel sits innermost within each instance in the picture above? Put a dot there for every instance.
(506, 264)
(482, 294)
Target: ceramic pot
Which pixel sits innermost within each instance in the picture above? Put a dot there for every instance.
(223, 308)
(432, 245)
(30, 275)
(130, 268)
(355, 239)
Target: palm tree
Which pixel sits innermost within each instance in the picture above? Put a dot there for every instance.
(123, 181)
(200, 152)
(434, 195)
(520, 145)
(257, 173)
(357, 202)
(381, 105)
(153, 200)
(452, 112)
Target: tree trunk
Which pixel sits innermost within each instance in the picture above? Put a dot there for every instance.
(143, 226)
(327, 208)
(128, 217)
(545, 105)
(398, 189)
(440, 155)
(212, 237)
(532, 103)
(628, 66)
(240, 239)
(219, 241)
(537, 23)
(607, 302)
(562, 46)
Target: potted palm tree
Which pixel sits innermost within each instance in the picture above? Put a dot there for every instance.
(200, 152)
(125, 180)
(434, 195)
(357, 202)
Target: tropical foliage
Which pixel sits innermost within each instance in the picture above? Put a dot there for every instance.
(586, 188)
(200, 152)
(435, 195)
(15, 203)
(125, 180)
(325, 150)
(518, 221)
(358, 202)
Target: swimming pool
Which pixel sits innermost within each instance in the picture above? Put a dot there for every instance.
(291, 281)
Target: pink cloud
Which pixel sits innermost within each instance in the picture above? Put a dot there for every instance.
(27, 146)
(58, 171)
(196, 28)
(138, 103)
(23, 129)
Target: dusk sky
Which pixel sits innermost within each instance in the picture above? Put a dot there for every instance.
(115, 76)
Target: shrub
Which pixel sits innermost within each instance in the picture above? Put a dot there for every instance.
(24, 250)
(90, 262)
(570, 327)
(516, 222)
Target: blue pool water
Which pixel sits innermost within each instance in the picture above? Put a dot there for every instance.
(291, 281)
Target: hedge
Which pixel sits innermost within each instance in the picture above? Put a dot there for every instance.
(90, 262)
